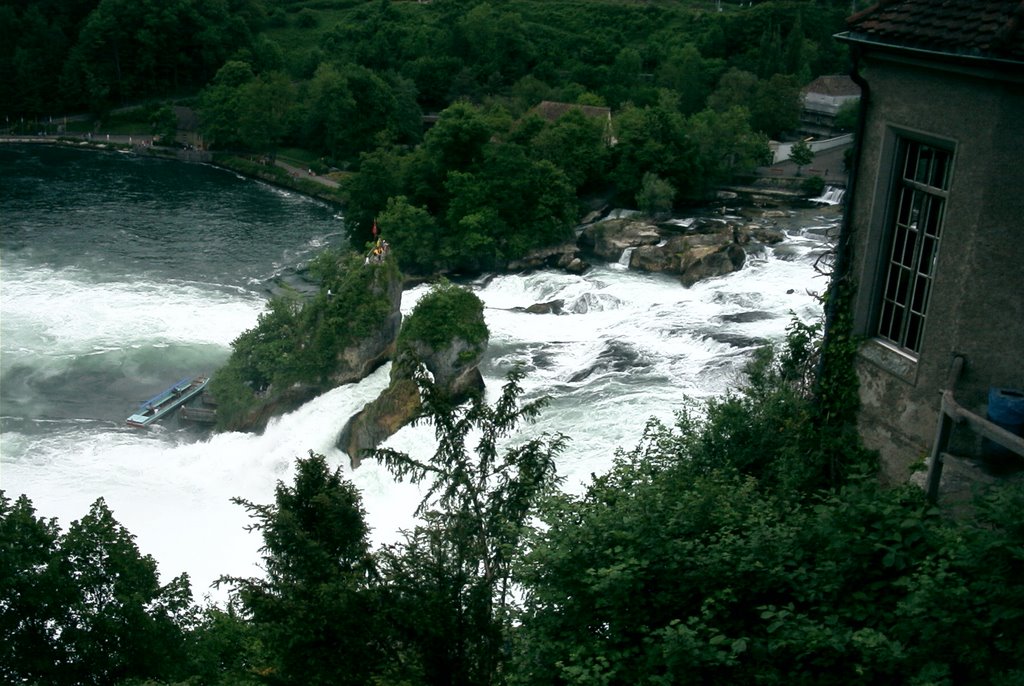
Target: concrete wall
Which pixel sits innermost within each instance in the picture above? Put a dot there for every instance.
(977, 301)
(827, 104)
(781, 151)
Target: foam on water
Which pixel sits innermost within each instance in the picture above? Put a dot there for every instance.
(59, 312)
(175, 495)
(627, 347)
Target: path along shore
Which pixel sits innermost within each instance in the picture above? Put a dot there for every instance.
(144, 144)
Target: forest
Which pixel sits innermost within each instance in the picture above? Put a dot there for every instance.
(429, 112)
(748, 542)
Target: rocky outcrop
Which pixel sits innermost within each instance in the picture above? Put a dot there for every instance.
(371, 344)
(609, 239)
(694, 250)
(563, 256)
(357, 360)
(691, 257)
(549, 307)
(451, 357)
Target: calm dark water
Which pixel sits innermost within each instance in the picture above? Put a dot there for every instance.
(120, 274)
(120, 215)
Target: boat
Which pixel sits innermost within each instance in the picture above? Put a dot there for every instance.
(166, 401)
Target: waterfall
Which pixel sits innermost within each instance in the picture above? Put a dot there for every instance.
(832, 195)
(111, 308)
(625, 257)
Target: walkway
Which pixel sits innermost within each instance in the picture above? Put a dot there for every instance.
(827, 164)
(306, 174)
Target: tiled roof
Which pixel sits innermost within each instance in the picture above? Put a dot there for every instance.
(553, 110)
(992, 29)
(835, 85)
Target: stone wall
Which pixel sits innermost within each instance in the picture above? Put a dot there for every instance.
(976, 304)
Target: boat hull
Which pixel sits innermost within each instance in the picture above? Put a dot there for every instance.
(164, 404)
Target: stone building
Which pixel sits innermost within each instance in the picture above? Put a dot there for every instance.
(822, 99)
(551, 111)
(936, 216)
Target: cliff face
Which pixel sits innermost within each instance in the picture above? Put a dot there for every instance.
(445, 333)
(356, 361)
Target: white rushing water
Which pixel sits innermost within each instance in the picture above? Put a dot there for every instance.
(627, 347)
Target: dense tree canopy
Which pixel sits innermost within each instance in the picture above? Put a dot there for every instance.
(84, 606)
(691, 95)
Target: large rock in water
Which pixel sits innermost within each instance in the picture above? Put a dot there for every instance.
(561, 256)
(445, 333)
(705, 251)
(609, 239)
(366, 334)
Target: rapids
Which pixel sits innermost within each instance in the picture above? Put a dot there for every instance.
(120, 275)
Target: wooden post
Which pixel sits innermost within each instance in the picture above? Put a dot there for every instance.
(942, 433)
(943, 429)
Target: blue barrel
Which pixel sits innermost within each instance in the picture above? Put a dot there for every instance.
(1006, 409)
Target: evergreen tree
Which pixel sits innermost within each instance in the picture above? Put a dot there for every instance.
(770, 58)
(450, 582)
(315, 611)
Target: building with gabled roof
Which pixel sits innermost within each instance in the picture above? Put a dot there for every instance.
(551, 110)
(934, 238)
(822, 99)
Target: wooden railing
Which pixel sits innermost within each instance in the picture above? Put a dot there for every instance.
(952, 413)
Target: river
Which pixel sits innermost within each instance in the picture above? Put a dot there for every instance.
(121, 274)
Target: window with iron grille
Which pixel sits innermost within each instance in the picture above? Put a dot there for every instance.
(919, 200)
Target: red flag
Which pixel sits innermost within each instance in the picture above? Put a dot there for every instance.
(374, 228)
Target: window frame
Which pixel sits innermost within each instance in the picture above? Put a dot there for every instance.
(903, 293)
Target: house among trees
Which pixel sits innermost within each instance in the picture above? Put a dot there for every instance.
(936, 224)
(550, 110)
(822, 99)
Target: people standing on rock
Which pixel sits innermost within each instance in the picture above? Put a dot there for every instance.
(379, 251)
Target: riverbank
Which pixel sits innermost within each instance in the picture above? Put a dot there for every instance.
(280, 174)
(284, 175)
(768, 186)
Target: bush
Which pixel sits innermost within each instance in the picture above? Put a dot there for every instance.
(655, 195)
(306, 19)
(813, 186)
(447, 312)
(731, 549)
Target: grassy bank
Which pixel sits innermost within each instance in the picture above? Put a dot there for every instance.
(279, 176)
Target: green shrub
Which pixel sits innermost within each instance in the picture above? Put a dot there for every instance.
(445, 313)
(306, 19)
(655, 195)
(813, 186)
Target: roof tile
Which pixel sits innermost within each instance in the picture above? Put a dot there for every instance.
(982, 28)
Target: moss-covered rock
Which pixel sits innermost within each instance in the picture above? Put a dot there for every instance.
(302, 348)
(447, 334)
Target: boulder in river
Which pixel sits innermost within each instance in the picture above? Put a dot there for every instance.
(609, 239)
(447, 335)
(299, 350)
